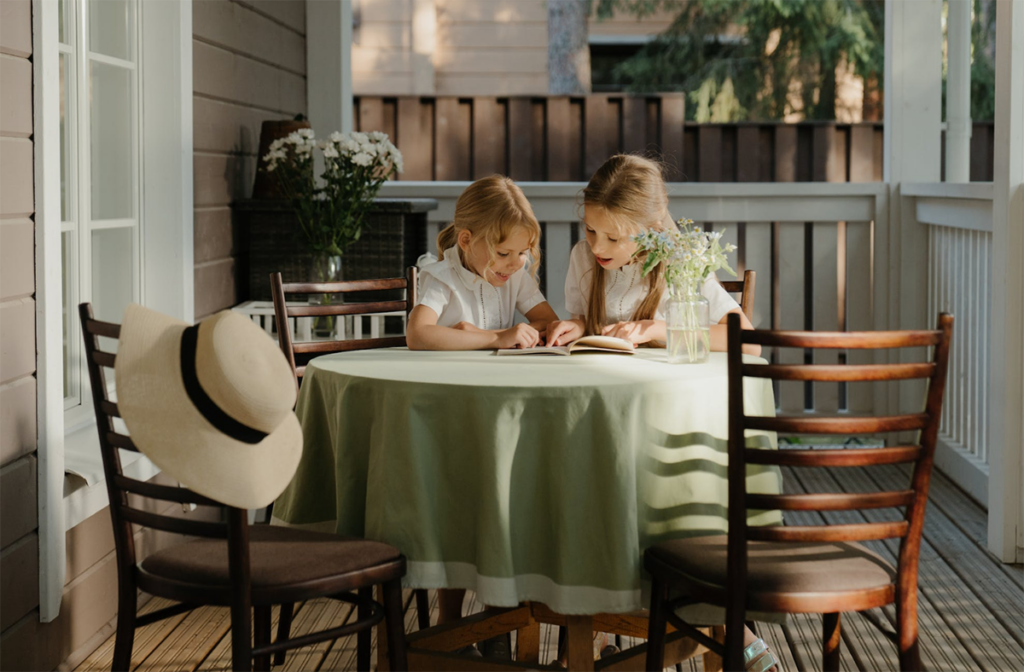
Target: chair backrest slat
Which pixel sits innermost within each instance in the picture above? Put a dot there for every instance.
(829, 533)
(847, 340)
(345, 346)
(745, 288)
(840, 457)
(110, 408)
(156, 521)
(298, 354)
(346, 309)
(167, 493)
(839, 424)
(840, 372)
(122, 441)
(104, 359)
(344, 286)
(840, 501)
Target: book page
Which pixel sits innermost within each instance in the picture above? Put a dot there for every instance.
(602, 344)
(538, 350)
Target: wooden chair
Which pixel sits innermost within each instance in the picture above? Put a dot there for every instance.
(299, 354)
(745, 288)
(819, 568)
(232, 564)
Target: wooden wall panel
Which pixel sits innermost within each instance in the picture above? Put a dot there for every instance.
(17, 339)
(17, 250)
(16, 187)
(16, 28)
(19, 580)
(16, 103)
(18, 419)
(17, 500)
(249, 64)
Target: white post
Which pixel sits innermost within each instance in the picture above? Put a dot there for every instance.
(913, 105)
(958, 92)
(50, 355)
(424, 42)
(1006, 339)
(329, 65)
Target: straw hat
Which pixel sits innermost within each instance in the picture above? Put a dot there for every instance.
(210, 404)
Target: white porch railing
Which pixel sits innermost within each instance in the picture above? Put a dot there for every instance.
(819, 250)
(959, 221)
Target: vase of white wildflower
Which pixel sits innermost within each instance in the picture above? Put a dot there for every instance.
(688, 325)
(689, 255)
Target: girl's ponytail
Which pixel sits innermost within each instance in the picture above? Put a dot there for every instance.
(446, 239)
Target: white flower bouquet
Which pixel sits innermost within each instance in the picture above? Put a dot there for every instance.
(331, 209)
(689, 256)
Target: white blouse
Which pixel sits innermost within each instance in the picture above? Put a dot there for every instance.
(625, 288)
(457, 294)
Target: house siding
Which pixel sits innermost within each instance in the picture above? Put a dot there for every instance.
(19, 548)
(89, 600)
(249, 65)
(481, 47)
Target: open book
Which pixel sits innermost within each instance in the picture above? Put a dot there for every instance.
(609, 344)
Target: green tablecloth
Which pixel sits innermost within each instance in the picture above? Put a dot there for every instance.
(522, 478)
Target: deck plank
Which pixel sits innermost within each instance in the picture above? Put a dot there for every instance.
(969, 611)
(947, 610)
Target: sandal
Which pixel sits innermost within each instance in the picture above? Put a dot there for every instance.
(757, 657)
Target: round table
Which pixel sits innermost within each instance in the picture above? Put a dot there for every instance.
(529, 478)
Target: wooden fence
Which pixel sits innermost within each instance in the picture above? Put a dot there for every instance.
(559, 138)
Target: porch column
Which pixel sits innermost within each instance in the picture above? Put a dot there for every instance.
(329, 65)
(958, 92)
(913, 107)
(1006, 339)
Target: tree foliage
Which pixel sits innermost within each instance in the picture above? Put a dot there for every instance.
(754, 59)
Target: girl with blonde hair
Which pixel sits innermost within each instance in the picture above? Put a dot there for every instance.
(468, 299)
(605, 290)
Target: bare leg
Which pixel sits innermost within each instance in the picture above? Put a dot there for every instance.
(449, 604)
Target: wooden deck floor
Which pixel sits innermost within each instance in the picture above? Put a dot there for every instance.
(971, 606)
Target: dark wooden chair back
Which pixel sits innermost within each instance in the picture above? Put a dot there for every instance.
(124, 512)
(299, 353)
(745, 288)
(921, 454)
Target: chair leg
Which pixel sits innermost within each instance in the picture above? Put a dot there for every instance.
(906, 630)
(125, 638)
(656, 622)
(241, 635)
(830, 642)
(261, 636)
(395, 625)
(363, 637)
(422, 608)
(284, 628)
(733, 658)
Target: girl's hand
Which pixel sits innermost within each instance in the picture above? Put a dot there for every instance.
(634, 332)
(562, 332)
(519, 336)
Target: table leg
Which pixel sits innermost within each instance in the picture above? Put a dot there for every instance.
(712, 661)
(580, 646)
(528, 643)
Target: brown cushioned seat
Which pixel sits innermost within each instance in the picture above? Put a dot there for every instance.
(781, 567)
(278, 555)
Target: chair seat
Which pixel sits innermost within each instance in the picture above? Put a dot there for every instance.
(279, 558)
(773, 567)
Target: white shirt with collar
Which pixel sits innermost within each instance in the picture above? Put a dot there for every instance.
(625, 288)
(457, 294)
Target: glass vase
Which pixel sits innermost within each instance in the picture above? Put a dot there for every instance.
(688, 325)
(326, 268)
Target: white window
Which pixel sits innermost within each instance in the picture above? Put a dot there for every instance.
(101, 227)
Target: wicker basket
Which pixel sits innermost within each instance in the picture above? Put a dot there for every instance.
(394, 235)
